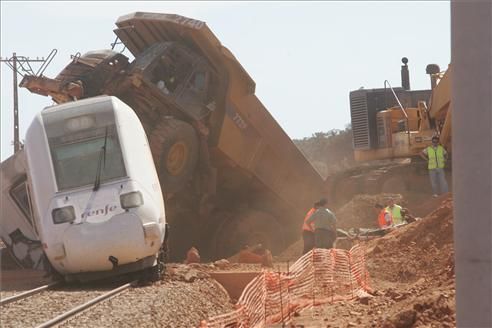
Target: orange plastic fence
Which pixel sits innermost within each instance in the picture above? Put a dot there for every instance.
(318, 277)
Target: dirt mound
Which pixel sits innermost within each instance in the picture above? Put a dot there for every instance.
(425, 207)
(420, 248)
(419, 258)
(360, 213)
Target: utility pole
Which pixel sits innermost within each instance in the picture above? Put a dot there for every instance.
(16, 106)
(24, 63)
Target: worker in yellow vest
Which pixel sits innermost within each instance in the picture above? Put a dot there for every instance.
(395, 211)
(436, 156)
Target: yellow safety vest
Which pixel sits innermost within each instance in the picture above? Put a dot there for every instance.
(395, 213)
(436, 157)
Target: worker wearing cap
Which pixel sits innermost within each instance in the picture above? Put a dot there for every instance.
(395, 211)
(325, 226)
(385, 220)
(436, 156)
(308, 231)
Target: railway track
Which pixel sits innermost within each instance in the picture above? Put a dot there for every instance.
(27, 293)
(52, 304)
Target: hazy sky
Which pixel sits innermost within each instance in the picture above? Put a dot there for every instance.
(304, 56)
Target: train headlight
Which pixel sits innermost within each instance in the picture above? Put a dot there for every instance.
(131, 200)
(63, 214)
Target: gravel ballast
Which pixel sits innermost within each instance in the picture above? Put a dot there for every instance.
(163, 304)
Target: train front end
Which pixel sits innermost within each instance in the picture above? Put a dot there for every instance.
(96, 195)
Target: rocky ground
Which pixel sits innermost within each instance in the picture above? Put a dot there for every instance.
(411, 268)
(168, 303)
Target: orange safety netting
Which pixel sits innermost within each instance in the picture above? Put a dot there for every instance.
(318, 277)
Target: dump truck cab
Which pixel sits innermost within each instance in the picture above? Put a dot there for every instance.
(178, 76)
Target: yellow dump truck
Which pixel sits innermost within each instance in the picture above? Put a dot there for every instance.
(230, 175)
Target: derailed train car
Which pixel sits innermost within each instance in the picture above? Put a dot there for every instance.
(86, 193)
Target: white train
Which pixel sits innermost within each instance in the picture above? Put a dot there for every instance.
(90, 193)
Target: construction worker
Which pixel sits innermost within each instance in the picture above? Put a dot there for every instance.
(396, 211)
(325, 226)
(308, 231)
(385, 220)
(436, 156)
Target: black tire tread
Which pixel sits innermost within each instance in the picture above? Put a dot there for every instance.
(167, 129)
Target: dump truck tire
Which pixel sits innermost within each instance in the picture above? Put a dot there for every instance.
(248, 228)
(183, 234)
(174, 146)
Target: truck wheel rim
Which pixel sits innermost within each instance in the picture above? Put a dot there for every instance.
(176, 158)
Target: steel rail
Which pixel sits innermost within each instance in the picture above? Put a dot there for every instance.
(28, 293)
(82, 307)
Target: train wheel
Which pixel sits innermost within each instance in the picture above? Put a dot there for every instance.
(248, 228)
(174, 145)
(161, 261)
(156, 272)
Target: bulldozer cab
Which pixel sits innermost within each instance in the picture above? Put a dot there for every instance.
(17, 225)
(401, 134)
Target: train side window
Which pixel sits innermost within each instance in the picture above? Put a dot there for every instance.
(20, 195)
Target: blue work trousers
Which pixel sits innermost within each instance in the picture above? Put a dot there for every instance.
(438, 181)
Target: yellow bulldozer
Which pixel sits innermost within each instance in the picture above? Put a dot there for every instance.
(390, 127)
(403, 129)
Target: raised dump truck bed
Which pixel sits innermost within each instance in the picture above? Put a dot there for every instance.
(230, 175)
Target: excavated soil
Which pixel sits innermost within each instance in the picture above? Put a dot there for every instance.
(412, 273)
(426, 248)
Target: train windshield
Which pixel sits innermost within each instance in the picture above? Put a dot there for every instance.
(76, 163)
